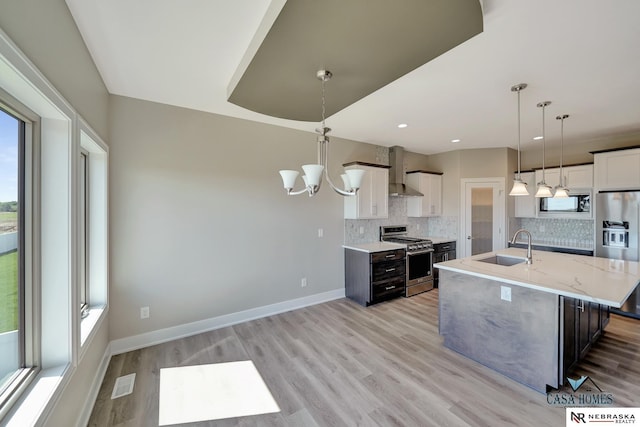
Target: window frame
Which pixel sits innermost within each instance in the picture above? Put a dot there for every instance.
(84, 234)
(29, 356)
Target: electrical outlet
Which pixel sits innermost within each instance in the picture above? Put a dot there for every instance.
(144, 312)
(541, 228)
(303, 282)
(320, 232)
(505, 293)
(361, 230)
(417, 226)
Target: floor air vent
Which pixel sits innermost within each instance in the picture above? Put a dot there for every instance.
(123, 386)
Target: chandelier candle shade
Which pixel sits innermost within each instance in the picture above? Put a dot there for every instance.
(313, 173)
(561, 191)
(544, 190)
(519, 186)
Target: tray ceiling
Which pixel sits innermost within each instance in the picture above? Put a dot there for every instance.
(366, 45)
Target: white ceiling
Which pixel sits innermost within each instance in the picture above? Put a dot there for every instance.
(583, 55)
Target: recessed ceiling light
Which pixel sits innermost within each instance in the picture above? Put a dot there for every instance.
(402, 125)
(538, 138)
(455, 140)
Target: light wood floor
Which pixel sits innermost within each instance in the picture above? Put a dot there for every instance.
(339, 364)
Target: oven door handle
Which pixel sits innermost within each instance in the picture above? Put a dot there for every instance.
(426, 251)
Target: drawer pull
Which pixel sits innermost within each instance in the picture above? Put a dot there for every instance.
(388, 288)
(389, 270)
(390, 256)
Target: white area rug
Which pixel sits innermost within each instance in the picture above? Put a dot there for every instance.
(212, 392)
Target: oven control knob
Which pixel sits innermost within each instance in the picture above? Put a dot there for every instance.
(412, 247)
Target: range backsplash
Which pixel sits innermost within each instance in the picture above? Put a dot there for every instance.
(443, 226)
(569, 233)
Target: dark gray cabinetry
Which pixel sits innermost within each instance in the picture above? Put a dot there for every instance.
(374, 277)
(442, 252)
(583, 323)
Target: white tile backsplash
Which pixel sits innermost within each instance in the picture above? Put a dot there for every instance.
(418, 227)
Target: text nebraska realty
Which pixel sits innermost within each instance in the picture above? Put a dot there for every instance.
(621, 418)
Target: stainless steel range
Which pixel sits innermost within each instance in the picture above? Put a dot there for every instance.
(419, 258)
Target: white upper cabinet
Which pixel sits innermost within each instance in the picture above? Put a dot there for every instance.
(526, 205)
(429, 184)
(617, 170)
(580, 176)
(372, 200)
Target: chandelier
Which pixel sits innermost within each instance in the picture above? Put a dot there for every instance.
(352, 178)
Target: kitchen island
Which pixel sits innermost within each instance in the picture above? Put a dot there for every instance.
(515, 317)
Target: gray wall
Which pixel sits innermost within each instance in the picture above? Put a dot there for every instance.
(46, 32)
(200, 224)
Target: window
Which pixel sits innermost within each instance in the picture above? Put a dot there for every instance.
(83, 225)
(92, 230)
(55, 267)
(14, 359)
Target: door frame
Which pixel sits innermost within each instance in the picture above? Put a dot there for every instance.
(499, 213)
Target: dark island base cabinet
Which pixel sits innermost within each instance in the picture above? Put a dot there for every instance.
(583, 323)
(442, 252)
(374, 277)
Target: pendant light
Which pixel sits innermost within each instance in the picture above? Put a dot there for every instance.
(519, 186)
(312, 178)
(544, 190)
(561, 191)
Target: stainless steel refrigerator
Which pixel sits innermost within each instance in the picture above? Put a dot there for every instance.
(617, 222)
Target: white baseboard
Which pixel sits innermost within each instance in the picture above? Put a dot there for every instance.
(83, 418)
(135, 342)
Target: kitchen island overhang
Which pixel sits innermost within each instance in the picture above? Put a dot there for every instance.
(510, 318)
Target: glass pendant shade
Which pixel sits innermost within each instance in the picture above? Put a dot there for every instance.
(313, 173)
(289, 178)
(345, 181)
(560, 192)
(544, 190)
(355, 177)
(519, 188)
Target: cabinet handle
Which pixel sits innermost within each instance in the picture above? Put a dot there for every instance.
(390, 256)
(581, 306)
(446, 257)
(389, 270)
(388, 288)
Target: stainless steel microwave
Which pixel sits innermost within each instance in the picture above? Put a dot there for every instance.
(577, 205)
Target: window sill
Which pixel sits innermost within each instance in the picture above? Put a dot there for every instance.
(38, 399)
(88, 324)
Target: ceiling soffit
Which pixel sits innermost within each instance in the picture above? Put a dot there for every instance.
(366, 44)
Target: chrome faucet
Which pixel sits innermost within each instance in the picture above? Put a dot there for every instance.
(513, 241)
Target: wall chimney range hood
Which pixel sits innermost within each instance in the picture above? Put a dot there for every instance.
(397, 187)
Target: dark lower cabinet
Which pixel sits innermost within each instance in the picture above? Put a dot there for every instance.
(374, 277)
(583, 323)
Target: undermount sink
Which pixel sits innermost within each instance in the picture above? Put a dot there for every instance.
(503, 260)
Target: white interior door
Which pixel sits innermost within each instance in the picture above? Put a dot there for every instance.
(482, 213)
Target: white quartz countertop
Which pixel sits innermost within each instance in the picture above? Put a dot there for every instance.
(600, 280)
(374, 247)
